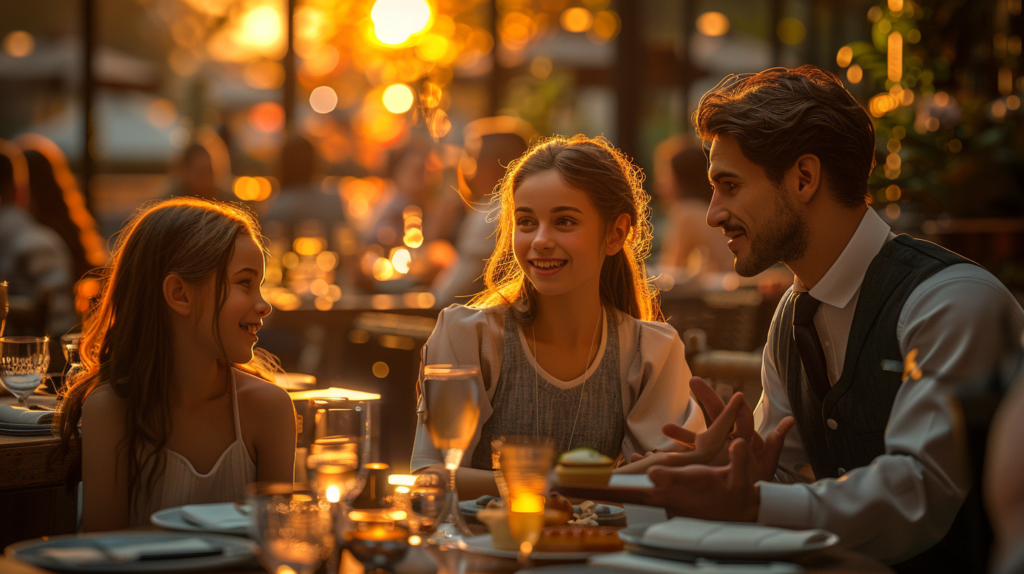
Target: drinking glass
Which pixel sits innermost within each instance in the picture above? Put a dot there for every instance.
(340, 446)
(292, 527)
(525, 469)
(23, 362)
(426, 501)
(375, 538)
(453, 409)
(4, 308)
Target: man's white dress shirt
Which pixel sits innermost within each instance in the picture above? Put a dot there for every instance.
(905, 500)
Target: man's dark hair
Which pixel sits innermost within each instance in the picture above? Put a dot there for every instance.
(781, 114)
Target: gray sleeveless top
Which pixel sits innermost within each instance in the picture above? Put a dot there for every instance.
(521, 392)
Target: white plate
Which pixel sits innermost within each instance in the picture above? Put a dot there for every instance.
(482, 545)
(633, 537)
(171, 519)
(236, 551)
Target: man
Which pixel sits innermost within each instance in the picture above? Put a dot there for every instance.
(875, 457)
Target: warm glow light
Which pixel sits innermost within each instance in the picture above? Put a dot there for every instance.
(397, 98)
(261, 26)
(845, 56)
(400, 260)
(415, 540)
(893, 192)
(577, 20)
(394, 21)
(941, 99)
(308, 245)
(267, 117)
(855, 74)
(527, 503)
(402, 479)
(438, 123)
(712, 24)
(413, 238)
(380, 369)
(1012, 103)
(19, 44)
(541, 67)
(430, 95)
(432, 47)
(323, 100)
(894, 66)
(333, 494)
(896, 5)
(333, 393)
(383, 270)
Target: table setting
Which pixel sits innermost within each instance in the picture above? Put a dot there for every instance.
(353, 515)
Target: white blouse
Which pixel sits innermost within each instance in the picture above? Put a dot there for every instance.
(655, 377)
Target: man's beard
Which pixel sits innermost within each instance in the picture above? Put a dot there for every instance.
(783, 236)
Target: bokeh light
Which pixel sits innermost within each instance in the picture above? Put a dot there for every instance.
(323, 100)
(577, 20)
(394, 21)
(712, 24)
(845, 56)
(397, 98)
(261, 26)
(267, 117)
(19, 44)
(855, 74)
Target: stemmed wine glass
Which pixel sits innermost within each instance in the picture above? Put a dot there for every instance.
(453, 409)
(23, 362)
(292, 527)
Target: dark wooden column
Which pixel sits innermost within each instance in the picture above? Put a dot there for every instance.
(88, 92)
(288, 97)
(629, 76)
(496, 80)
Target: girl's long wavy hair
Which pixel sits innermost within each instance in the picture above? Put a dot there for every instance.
(127, 342)
(614, 186)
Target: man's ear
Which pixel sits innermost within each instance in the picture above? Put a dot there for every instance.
(178, 294)
(804, 178)
(617, 233)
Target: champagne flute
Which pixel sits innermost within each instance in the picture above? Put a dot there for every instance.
(23, 362)
(525, 469)
(453, 409)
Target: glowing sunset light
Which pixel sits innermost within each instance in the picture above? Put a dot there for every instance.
(394, 21)
(261, 26)
(397, 98)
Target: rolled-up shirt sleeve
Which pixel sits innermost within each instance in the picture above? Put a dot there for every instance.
(906, 499)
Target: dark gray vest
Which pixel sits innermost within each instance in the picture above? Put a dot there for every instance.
(846, 430)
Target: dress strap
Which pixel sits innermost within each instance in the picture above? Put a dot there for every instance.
(234, 404)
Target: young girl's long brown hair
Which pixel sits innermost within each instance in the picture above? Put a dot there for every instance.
(613, 184)
(127, 340)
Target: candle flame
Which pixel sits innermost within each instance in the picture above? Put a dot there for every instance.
(333, 494)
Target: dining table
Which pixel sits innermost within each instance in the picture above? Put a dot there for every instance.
(428, 559)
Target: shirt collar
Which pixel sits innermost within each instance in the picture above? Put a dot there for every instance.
(842, 281)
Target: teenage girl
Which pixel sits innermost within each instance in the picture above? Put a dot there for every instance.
(175, 407)
(566, 333)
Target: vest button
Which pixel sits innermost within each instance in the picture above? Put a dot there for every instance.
(832, 424)
(842, 471)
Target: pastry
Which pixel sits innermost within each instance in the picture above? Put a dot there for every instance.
(579, 539)
(583, 466)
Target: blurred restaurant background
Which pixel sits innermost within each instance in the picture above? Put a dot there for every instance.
(367, 136)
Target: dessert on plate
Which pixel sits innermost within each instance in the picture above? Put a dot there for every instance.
(583, 466)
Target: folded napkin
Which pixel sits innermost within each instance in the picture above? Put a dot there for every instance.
(690, 534)
(221, 516)
(649, 565)
(32, 415)
(121, 550)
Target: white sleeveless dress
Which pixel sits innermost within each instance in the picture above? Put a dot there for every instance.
(181, 484)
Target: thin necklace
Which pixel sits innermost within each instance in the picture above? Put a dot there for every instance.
(583, 388)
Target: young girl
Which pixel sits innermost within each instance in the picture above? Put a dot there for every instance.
(565, 333)
(174, 407)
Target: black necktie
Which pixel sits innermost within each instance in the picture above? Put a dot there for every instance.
(809, 345)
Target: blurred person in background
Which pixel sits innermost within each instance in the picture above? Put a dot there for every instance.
(55, 201)
(687, 241)
(413, 183)
(33, 259)
(300, 199)
(1004, 481)
(194, 175)
(491, 144)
